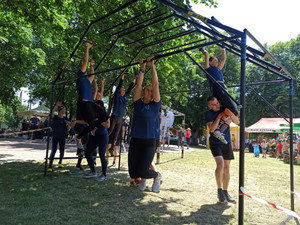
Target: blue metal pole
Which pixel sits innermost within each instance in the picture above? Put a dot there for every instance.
(242, 128)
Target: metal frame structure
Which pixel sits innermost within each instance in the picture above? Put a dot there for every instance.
(231, 39)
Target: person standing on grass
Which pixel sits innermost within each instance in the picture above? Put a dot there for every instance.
(222, 153)
(144, 129)
(59, 126)
(188, 135)
(264, 146)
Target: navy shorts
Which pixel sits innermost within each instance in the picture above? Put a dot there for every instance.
(222, 150)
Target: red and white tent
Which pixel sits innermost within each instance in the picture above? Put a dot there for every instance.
(267, 125)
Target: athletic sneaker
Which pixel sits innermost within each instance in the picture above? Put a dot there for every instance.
(90, 175)
(228, 197)
(142, 185)
(101, 178)
(60, 165)
(221, 196)
(111, 151)
(79, 167)
(156, 183)
(220, 136)
(114, 163)
(50, 170)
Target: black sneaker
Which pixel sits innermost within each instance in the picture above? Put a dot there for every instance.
(221, 196)
(228, 197)
(79, 167)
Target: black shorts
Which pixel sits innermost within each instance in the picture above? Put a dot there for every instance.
(222, 150)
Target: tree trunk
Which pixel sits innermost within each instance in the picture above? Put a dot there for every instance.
(195, 134)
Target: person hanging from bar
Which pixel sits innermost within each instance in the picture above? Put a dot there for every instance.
(214, 68)
(144, 129)
(92, 113)
(120, 103)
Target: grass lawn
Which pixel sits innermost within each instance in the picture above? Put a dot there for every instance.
(187, 196)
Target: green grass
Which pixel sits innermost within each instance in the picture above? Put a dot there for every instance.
(187, 196)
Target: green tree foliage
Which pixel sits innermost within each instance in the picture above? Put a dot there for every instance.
(288, 54)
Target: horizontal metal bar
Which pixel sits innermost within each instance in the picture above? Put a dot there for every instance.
(268, 53)
(190, 12)
(156, 57)
(169, 38)
(147, 25)
(268, 103)
(229, 86)
(127, 21)
(268, 69)
(115, 11)
(181, 46)
(140, 23)
(144, 38)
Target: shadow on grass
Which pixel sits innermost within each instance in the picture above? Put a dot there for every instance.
(75, 200)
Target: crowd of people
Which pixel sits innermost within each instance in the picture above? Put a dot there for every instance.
(278, 148)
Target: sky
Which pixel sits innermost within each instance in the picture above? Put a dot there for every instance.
(269, 21)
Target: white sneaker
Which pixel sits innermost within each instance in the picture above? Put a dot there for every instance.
(142, 185)
(156, 183)
(101, 178)
(220, 136)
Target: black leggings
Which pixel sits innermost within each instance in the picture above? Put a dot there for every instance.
(61, 143)
(223, 99)
(93, 114)
(115, 126)
(140, 157)
(99, 141)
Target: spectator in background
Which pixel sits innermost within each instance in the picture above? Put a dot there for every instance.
(180, 137)
(34, 125)
(188, 135)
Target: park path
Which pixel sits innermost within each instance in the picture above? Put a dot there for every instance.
(18, 150)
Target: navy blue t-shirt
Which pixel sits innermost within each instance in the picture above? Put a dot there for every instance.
(211, 116)
(59, 127)
(34, 120)
(216, 73)
(145, 119)
(84, 87)
(120, 103)
(101, 130)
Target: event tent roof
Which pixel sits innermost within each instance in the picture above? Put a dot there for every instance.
(268, 125)
(41, 110)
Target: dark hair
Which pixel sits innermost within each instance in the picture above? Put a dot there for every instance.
(100, 102)
(60, 108)
(211, 58)
(210, 98)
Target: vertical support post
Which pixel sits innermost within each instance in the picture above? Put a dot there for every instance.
(160, 140)
(48, 131)
(291, 84)
(182, 137)
(242, 129)
(120, 148)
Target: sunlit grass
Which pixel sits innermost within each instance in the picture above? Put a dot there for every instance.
(187, 196)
